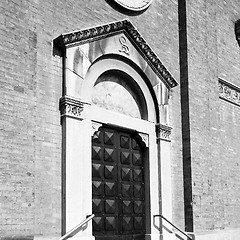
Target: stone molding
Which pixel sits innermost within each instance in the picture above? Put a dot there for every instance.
(163, 132)
(144, 138)
(124, 26)
(229, 92)
(71, 107)
(95, 127)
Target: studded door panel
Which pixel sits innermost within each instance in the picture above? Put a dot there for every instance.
(117, 186)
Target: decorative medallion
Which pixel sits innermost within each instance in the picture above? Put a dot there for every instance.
(229, 92)
(134, 5)
(124, 46)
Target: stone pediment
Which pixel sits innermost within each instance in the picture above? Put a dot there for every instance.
(120, 38)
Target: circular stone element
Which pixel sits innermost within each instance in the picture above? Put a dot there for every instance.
(134, 5)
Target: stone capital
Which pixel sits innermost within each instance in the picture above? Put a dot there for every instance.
(71, 107)
(163, 132)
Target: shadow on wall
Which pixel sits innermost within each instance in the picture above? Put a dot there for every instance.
(164, 226)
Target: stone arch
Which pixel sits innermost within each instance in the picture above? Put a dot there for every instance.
(138, 84)
(117, 91)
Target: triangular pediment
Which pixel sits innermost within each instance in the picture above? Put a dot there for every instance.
(121, 38)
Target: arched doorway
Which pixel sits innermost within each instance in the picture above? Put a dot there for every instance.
(110, 92)
(120, 196)
(122, 105)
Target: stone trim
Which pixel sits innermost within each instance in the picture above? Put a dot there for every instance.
(95, 127)
(228, 92)
(125, 26)
(71, 107)
(163, 132)
(144, 138)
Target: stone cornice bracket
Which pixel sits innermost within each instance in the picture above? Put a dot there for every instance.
(163, 132)
(71, 107)
(125, 26)
(229, 92)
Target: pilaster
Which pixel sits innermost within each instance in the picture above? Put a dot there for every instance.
(163, 135)
(76, 165)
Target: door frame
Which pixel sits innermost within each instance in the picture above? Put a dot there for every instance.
(83, 120)
(86, 54)
(147, 131)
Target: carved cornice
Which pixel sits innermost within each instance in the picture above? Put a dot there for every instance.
(229, 92)
(163, 132)
(71, 107)
(95, 33)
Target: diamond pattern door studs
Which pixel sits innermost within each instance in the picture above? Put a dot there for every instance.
(97, 205)
(97, 170)
(109, 138)
(124, 142)
(110, 224)
(126, 190)
(97, 187)
(98, 224)
(109, 154)
(138, 206)
(110, 189)
(137, 190)
(118, 192)
(96, 153)
(127, 224)
(125, 157)
(137, 159)
(127, 207)
(138, 223)
(137, 175)
(109, 172)
(126, 174)
(110, 206)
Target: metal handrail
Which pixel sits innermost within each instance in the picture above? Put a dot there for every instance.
(185, 234)
(76, 229)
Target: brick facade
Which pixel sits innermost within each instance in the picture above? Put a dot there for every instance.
(196, 42)
(213, 52)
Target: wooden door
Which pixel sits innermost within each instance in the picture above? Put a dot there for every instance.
(118, 188)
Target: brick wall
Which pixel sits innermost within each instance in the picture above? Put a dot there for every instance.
(227, 179)
(31, 82)
(213, 52)
(30, 130)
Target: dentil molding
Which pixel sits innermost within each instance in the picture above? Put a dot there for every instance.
(67, 40)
